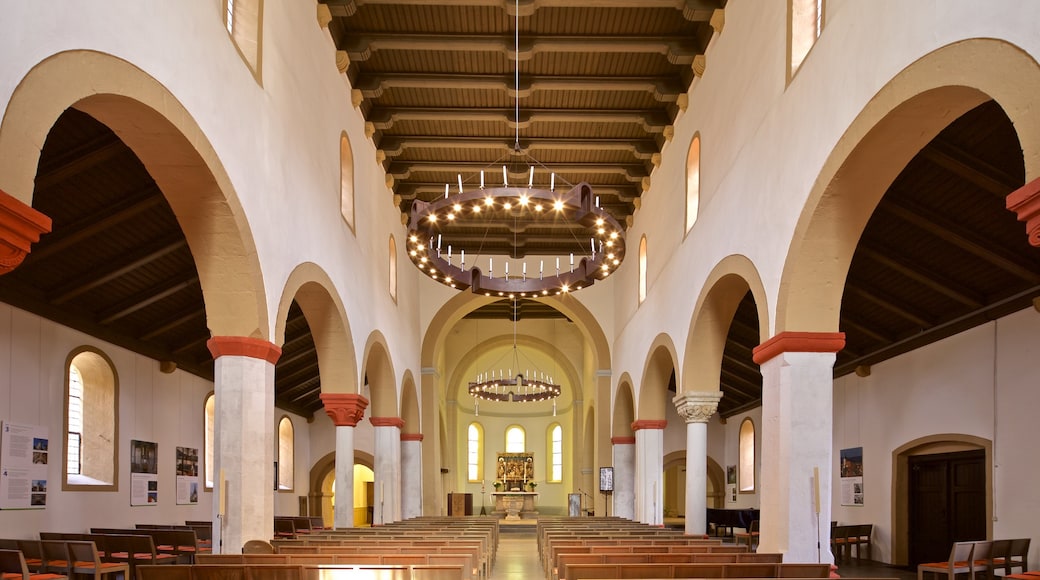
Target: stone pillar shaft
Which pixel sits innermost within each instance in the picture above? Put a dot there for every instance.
(411, 487)
(345, 410)
(649, 489)
(697, 408)
(387, 470)
(624, 477)
(243, 507)
(797, 418)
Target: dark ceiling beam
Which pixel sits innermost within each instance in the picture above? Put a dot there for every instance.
(848, 325)
(731, 411)
(304, 338)
(302, 354)
(665, 89)
(920, 274)
(83, 158)
(746, 388)
(105, 218)
(307, 394)
(192, 343)
(879, 298)
(361, 46)
(97, 277)
(299, 375)
(147, 297)
(384, 118)
(969, 167)
(692, 10)
(955, 234)
(745, 365)
(181, 318)
(394, 146)
(300, 410)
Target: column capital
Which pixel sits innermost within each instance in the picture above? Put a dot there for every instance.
(243, 346)
(697, 406)
(622, 440)
(1025, 202)
(798, 342)
(649, 424)
(20, 227)
(387, 422)
(345, 409)
(411, 437)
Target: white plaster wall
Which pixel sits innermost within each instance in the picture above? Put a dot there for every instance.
(286, 503)
(731, 456)
(952, 386)
(165, 408)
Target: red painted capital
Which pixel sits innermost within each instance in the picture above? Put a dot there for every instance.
(243, 346)
(622, 440)
(798, 342)
(345, 409)
(1025, 201)
(411, 437)
(387, 422)
(20, 227)
(649, 424)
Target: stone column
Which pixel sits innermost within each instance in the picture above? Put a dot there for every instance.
(797, 418)
(650, 470)
(411, 469)
(387, 470)
(20, 227)
(243, 377)
(697, 408)
(345, 410)
(624, 477)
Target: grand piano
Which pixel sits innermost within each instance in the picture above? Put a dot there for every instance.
(736, 518)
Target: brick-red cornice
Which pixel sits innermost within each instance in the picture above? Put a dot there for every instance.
(1025, 202)
(387, 422)
(411, 436)
(20, 227)
(649, 424)
(622, 440)
(243, 346)
(798, 342)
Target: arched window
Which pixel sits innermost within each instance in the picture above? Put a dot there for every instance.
(475, 452)
(346, 181)
(642, 269)
(555, 453)
(91, 428)
(805, 23)
(693, 182)
(746, 451)
(243, 21)
(209, 467)
(393, 269)
(285, 454)
(516, 439)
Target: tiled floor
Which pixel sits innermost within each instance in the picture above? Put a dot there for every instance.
(518, 560)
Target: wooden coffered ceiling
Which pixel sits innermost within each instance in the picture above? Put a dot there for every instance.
(600, 87)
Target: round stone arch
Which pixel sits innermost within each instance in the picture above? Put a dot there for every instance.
(725, 287)
(314, 291)
(173, 148)
(624, 408)
(320, 492)
(410, 405)
(379, 370)
(661, 362)
(715, 476)
(907, 113)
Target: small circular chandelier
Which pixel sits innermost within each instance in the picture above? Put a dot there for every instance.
(596, 239)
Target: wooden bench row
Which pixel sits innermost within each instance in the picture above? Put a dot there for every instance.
(291, 572)
(473, 548)
(366, 558)
(622, 544)
(181, 542)
(563, 559)
(665, 570)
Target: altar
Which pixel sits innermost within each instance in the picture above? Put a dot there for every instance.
(515, 505)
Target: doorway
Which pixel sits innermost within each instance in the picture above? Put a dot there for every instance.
(947, 503)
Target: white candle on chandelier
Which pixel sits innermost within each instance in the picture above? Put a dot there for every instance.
(481, 179)
(491, 267)
(505, 177)
(552, 182)
(438, 242)
(462, 264)
(530, 180)
(541, 268)
(597, 201)
(460, 183)
(445, 191)
(572, 261)
(593, 244)
(507, 269)
(557, 265)
(525, 269)
(449, 253)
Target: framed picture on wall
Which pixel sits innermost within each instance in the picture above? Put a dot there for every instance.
(731, 474)
(606, 479)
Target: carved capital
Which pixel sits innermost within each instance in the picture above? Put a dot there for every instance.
(20, 227)
(345, 409)
(697, 407)
(1025, 202)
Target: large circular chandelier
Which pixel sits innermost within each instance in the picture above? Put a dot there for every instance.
(440, 233)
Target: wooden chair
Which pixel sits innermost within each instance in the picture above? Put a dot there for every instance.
(840, 542)
(858, 538)
(982, 560)
(959, 563)
(13, 567)
(1019, 555)
(751, 535)
(33, 553)
(84, 559)
(55, 557)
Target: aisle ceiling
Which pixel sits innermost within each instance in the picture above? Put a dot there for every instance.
(941, 254)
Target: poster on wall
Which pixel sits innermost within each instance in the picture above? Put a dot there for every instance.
(731, 483)
(187, 475)
(852, 476)
(144, 472)
(24, 455)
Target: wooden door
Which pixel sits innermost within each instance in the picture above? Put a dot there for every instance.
(947, 503)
